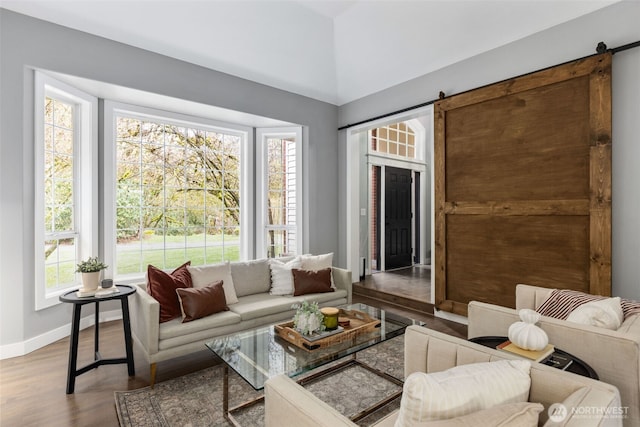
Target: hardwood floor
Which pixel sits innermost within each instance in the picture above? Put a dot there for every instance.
(32, 387)
(408, 287)
(413, 282)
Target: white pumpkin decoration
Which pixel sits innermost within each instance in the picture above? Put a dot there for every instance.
(526, 334)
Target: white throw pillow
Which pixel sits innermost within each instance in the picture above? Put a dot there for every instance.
(462, 390)
(606, 313)
(281, 276)
(520, 414)
(204, 275)
(318, 262)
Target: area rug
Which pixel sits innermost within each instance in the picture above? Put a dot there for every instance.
(196, 399)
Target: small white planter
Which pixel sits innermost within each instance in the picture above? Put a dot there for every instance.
(90, 281)
(308, 323)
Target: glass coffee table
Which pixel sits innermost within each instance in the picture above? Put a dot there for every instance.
(259, 354)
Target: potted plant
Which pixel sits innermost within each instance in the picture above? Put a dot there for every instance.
(90, 270)
(308, 318)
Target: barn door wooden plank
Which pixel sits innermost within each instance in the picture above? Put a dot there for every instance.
(522, 180)
(600, 177)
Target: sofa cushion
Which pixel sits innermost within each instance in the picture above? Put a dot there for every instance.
(520, 414)
(572, 402)
(286, 258)
(281, 277)
(204, 275)
(631, 325)
(251, 277)
(200, 302)
(629, 307)
(175, 328)
(162, 286)
(317, 262)
(561, 302)
(311, 282)
(260, 305)
(462, 390)
(333, 297)
(605, 313)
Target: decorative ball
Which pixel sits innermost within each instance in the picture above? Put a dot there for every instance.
(526, 334)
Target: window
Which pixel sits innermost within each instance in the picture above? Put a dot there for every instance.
(177, 192)
(65, 203)
(397, 140)
(281, 196)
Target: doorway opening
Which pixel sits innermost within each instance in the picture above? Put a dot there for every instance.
(396, 188)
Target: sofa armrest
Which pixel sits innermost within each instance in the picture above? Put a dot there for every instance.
(342, 280)
(145, 320)
(488, 319)
(289, 404)
(615, 356)
(596, 406)
(531, 297)
(589, 402)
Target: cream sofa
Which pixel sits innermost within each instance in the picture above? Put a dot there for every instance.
(425, 350)
(256, 307)
(614, 355)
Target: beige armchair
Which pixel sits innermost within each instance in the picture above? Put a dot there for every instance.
(614, 355)
(288, 403)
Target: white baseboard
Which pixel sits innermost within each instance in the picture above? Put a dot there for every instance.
(450, 316)
(25, 347)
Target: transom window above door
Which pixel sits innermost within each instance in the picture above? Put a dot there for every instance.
(398, 139)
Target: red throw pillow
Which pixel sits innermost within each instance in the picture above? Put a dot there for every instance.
(162, 286)
(311, 282)
(201, 302)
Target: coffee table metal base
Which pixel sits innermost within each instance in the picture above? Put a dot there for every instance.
(260, 353)
(332, 370)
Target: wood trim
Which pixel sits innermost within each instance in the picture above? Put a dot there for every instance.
(519, 207)
(581, 67)
(600, 177)
(454, 307)
(439, 262)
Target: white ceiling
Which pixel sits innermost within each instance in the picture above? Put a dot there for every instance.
(332, 50)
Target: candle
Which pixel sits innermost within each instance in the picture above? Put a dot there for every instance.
(330, 317)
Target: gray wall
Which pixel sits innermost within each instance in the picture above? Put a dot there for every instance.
(616, 25)
(27, 43)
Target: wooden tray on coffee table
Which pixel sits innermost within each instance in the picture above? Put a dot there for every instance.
(359, 323)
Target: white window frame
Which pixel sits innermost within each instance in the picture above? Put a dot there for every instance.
(262, 134)
(111, 110)
(85, 151)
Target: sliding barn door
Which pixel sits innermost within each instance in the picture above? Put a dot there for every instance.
(523, 186)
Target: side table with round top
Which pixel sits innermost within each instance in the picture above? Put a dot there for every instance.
(70, 297)
(577, 366)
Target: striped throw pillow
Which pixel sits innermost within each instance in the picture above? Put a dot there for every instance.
(561, 302)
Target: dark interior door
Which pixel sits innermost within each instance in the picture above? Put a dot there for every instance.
(397, 218)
